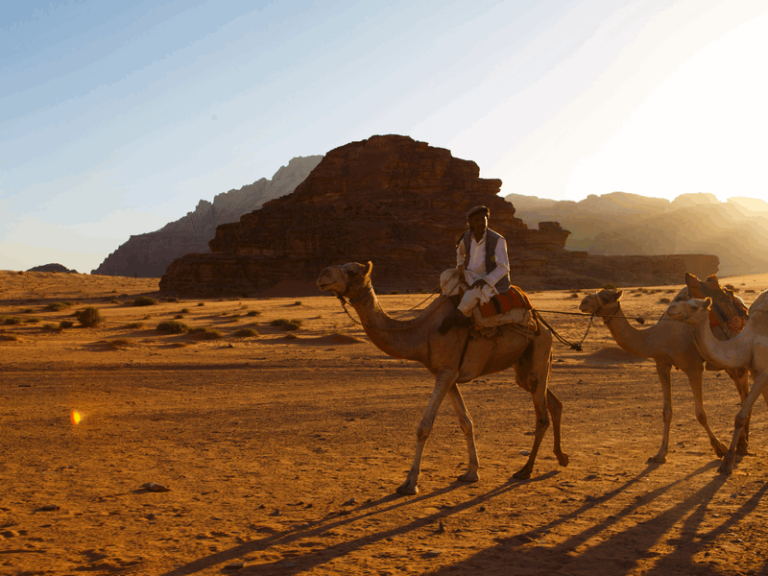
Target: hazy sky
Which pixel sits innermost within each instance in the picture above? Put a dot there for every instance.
(116, 118)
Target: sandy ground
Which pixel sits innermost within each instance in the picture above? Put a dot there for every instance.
(282, 455)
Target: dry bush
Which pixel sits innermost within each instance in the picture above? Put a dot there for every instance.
(287, 324)
(144, 301)
(172, 327)
(246, 333)
(89, 317)
(206, 333)
(253, 313)
(664, 301)
(65, 324)
(134, 325)
(8, 338)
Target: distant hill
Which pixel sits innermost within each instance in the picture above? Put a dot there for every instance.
(622, 224)
(148, 255)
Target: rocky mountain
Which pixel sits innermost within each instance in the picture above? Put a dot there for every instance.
(148, 255)
(620, 224)
(52, 268)
(401, 204)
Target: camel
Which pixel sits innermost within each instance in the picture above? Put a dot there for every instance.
(749, 349)
(669, 344)
(454, 359)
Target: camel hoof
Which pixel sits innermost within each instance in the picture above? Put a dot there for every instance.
(657, 460)
(725, 468)
(742, 450)
(720, 450)
(407, 490)
(522, 474)
(562, 459)
(469, 477)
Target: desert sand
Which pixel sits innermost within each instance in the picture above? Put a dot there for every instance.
(281, 451)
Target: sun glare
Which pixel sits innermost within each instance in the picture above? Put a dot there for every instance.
(75, 417)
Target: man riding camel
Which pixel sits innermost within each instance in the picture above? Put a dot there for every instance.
(482, 269)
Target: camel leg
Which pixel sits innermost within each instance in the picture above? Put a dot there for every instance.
(695, 380)
(531, 375)
(758, 387)
(555, 408)
(465, 421)
(664, 370)
(740, 378)
(445, 380)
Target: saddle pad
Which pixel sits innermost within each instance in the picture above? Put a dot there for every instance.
(502, 303)
(725, 305)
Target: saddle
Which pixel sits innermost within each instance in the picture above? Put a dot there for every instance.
(511, 308)
(725, 305)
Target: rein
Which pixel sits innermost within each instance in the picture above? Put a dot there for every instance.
(367, 293)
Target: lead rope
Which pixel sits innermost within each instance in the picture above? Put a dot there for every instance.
(577, 346)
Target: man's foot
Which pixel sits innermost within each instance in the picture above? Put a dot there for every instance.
(457, 319)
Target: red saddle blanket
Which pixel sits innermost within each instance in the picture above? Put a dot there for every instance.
(514, 298)
(725, 304)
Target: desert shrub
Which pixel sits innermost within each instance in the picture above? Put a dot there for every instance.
(135, 325)
(185, 310)
(395, 292)
(66, 324)
(172, 327)
(246, 333)
(50, 327)
(171, 299)
(574, 295)
(664, 301)
(114, 301)
(253, 313)
(8, 338)
(201, 303)
(297, 303)
(206, 333)
(144, 301)
(120, 343)
(89, 317)
(749, 291)
(234, 318)
(11, 321)
(27, 311)
(178, 316)
(33, 320)
(57, 306)
(287, 324)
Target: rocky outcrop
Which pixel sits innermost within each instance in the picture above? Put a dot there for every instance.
(52, 268)
(148, 255)
(622, 224)
(390, 199)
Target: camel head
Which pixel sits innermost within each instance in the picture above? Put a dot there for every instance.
(693, 311)
(350, 279)
(606, 301)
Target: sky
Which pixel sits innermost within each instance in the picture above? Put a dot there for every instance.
(117, 118)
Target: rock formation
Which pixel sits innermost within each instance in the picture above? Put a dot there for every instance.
(52, 268)
(401, 204)
(389, 199)
(621, 223)
(148, 255)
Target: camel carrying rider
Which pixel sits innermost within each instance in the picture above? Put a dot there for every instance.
(482, 269)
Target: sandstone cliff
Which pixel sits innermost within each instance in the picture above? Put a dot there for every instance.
(148, 255)
(620, 224)
(389, 199)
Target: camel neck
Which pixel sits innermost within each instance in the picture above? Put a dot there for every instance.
(630, 339)
(733, 353)
(401, 339)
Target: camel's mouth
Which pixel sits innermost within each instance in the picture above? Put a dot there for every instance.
(324, 286)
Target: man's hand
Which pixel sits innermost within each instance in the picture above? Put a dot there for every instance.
(479, 283)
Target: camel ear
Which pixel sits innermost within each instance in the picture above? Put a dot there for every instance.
(618, 295)
(368, 269)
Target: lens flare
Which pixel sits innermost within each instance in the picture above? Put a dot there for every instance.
(76, 417)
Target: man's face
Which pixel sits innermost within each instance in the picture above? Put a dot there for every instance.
(478, 223)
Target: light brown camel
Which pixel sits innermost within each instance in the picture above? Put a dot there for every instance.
(669, 344)
(749, 349)
(454, 359)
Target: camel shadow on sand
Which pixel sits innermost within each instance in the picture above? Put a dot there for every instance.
(618, 553)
